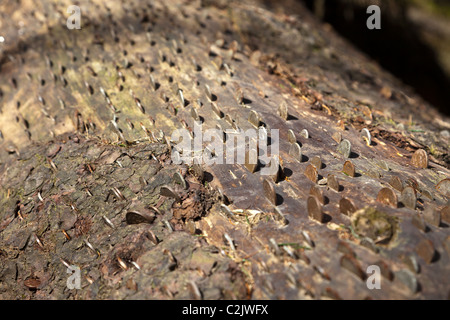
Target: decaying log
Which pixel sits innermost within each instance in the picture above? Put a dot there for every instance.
(87, 178)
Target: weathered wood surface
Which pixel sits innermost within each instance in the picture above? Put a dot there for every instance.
(83, 130)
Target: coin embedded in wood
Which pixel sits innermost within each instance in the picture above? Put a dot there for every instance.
(53, 150)
(446, 244)
(251, 159)
(420, 159)
(316, 162)
(274, 247)
(176, 158)
(283, 111)
(227, 211)
(333, 182)
(220, 132)
(153, 238)
(168, 192)
(239, 95)
(345, 248)
(153, 82)
(346, 206)
(344, 148)
(418, 222)
(304, 133)
(279, 217)
(308, 239)
(235, 126)
(208, 92)
(181, 97)
(425, 250)
(396, 183)
(311, 173)
(409, 197)
(295, 151)
(269, 191)
(254, 118)
(198, 171)
(275, 169)
(216, 110)
(369, 244)
(194, 114)
(322, 272)
(382, 164)
(411, 261)
(317, 192)
(262, 135)
(136, 217)
(178, 178)
(432, 216)
(349, 168)
(365, 134)
(444, 187)
(32, 283)
(445, 214)
(291, 136)
(427, 194)
(315, 209)
(408, 279)
(190, 227)
(331, 293)
(351, 264)
(412, 183)
(337, 136)
(374, 224)
(387, 196)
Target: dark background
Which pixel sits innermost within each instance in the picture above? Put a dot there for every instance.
(414, 33)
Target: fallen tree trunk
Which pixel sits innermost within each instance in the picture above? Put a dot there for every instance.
(87, 178)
